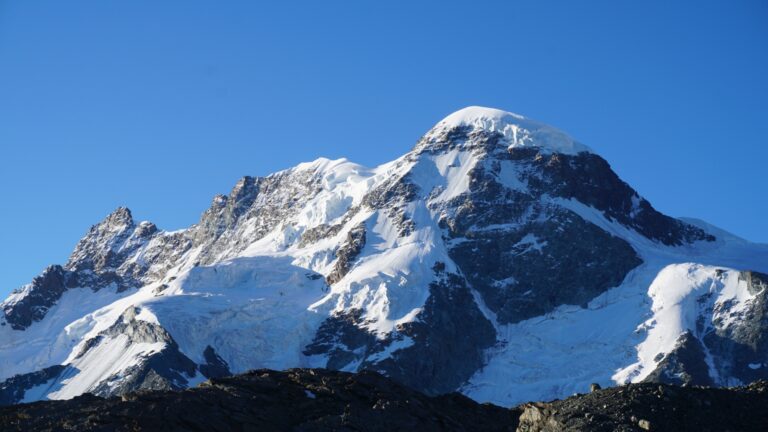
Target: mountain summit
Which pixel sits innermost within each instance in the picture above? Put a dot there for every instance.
(517, 130)
(499, 257)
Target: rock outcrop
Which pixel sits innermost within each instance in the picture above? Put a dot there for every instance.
(652, 407)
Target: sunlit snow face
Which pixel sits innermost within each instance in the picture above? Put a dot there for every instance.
(516, 130)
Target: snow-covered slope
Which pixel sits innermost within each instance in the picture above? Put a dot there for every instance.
(517, 130)
(499, 257)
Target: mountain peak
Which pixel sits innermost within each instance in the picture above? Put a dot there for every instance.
(102, 240)
(120, 216)
(484, 238)
(471, 114)
(517, 130)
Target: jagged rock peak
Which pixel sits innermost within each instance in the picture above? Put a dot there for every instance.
(516, 130)
(105, 241)
(121, 216)
(245, 186)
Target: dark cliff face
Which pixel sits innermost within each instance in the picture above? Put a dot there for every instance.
(12, 390)
(583, 176)
(525, 251)
(741, 351)
(515, 243)
(441, 351)
(448, 340)
(347, 253)
(589, 179)
(44, 291)
(435, 354)
(528, 271)
(685, 365)
(214, 366)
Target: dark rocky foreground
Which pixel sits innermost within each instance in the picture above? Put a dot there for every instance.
(265, 400)
(653, 407)
(310, 400)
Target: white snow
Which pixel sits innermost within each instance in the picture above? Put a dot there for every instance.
(519, 131)
(510, 177)
(252, 311)
(392, 348)
(559, 354)
(617, 337)
(51, 340)
(681, 293)
(529, 243)
(102, 361)
(390, 281)
(39, 392)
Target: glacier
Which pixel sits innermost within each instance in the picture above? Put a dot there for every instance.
(333, 264)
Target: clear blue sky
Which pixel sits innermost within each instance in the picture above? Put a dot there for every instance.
(160, 105)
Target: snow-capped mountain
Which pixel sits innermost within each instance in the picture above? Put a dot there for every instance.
(499, 257)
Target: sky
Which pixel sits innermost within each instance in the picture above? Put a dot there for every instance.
(158, 106)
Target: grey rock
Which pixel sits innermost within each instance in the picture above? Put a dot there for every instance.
(342, 339)
(638, 406)
(167, 369)
(736, 347)
(44, 291)
(644, 424)
(347, 253)
(214, 366)
(450, 337)
(264, 202)
(12, 390)
(322, 231)
(685, 365)
(575, 262)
